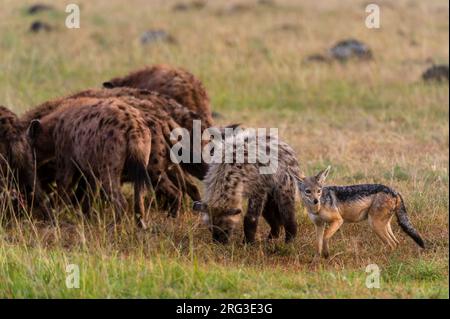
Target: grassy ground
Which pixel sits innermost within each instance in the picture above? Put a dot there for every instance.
(372, 121)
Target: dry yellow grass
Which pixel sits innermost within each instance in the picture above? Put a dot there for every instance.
(372, 121)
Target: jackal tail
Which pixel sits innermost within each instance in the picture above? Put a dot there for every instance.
(405, 223)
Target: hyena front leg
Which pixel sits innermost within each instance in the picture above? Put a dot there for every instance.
(64, 177)
(85, 193)
(254, 210)
(164, 185)
(286, 206)
(272, 215)
(184, 180)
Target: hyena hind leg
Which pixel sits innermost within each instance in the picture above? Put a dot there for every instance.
(112, 191)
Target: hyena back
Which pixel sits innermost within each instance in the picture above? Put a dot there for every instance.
(177, 83)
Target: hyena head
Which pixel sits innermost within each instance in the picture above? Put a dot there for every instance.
(221, 221)
(15, 152)
(311, 189)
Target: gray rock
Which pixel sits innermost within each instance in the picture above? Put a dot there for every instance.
(436, 73)
(350, 48)
(38, 26)
(158, 35)
(39, 7)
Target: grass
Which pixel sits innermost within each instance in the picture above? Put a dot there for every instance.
(372, 121)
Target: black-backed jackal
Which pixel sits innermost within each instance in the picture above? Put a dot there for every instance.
(335, 205)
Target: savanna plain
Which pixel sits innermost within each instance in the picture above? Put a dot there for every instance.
(373, 121)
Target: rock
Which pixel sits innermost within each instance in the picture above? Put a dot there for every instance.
(39, 7)
(350, 48)
(317, 58)
(194, 5)
(236, 8)
(157, 35)
(436, 73)
(269, 3)
(38, 26)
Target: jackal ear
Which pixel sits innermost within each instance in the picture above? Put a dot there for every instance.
(34, 129)
(108, 85)
(322, 176)
(233, 211)
(199, 206)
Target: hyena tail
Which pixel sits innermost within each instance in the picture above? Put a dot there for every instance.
(136, 167)
(138, 150)
(405, 223)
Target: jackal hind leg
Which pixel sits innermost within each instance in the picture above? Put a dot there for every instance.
(379, 223)
(391, 233)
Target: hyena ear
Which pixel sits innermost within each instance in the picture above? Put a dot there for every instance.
(199, 206)
(108, 85)
(300, 179)
(34, 129)
(233, 211)
(322, 176)
(231, 126)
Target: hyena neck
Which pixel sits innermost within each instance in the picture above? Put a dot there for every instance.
(223, 187)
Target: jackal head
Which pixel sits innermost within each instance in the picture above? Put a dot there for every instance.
(221, 221)
(311, 189)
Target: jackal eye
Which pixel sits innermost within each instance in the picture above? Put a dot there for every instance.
(319, 191)
(308, 191)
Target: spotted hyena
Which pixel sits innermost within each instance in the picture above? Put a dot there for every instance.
(177, 83)
(166, 109)
(16, 162)
(105, 141)
(169, 180)
(273, 195)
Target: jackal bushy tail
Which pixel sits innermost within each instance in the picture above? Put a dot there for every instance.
(405, 223)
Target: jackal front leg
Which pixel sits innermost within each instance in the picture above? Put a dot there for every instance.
(320, 230)
(331, 230)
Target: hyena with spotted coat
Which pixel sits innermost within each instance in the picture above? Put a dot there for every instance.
(174, 82)
(272, 195)
(105, 141)
(162, 115)
(17, 164)
(167, 109)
